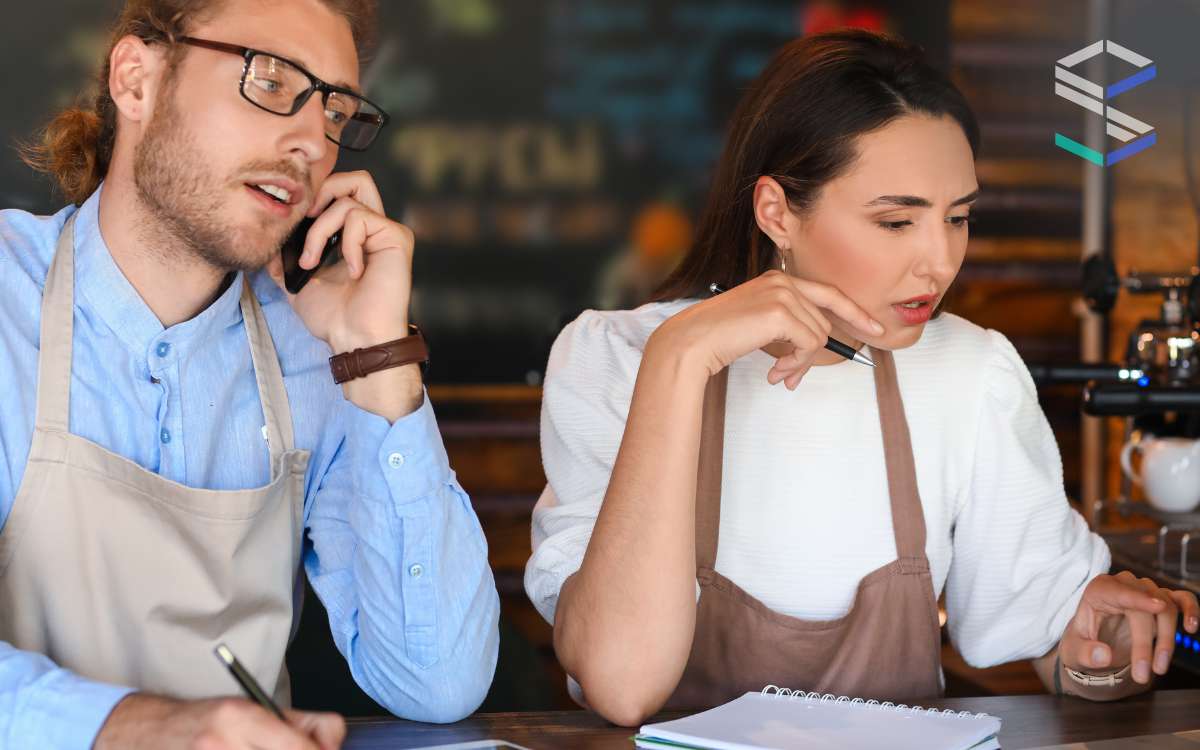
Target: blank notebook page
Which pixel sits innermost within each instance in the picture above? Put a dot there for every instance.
(757, 721)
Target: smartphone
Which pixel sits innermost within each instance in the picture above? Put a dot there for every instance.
(295, 277)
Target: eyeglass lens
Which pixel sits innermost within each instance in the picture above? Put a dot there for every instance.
(280, 87)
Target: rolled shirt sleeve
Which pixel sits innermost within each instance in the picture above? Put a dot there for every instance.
(1022, 555)
(399, 560)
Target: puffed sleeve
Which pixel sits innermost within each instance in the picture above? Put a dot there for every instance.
(1022, 554)
(586, 394)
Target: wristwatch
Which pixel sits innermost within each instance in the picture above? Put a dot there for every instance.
(362, 362)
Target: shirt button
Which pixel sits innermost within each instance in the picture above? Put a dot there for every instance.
(415, 570)
(396, 460)
(163, 349)
(165, 435)
(154, 380)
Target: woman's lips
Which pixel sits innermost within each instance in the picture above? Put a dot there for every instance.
(915, 316)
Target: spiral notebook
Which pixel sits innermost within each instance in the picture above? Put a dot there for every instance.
(781, 719)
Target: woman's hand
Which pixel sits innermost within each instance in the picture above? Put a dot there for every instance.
(774, 308)
(1124, 619)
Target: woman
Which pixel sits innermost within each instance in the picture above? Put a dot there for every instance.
(706, 532)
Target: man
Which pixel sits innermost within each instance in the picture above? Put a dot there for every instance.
(172, 441)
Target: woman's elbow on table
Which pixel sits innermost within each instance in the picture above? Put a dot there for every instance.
(623, 689)
(624, 705)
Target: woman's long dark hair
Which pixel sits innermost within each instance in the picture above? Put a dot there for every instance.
(798, 123)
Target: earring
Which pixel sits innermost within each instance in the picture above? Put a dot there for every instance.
(782, 259)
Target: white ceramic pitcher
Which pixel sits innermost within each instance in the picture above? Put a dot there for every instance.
(1170, 472)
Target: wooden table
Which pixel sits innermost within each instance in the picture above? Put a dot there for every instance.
(1029, 721)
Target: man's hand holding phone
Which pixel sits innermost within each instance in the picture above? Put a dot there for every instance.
(362, 300)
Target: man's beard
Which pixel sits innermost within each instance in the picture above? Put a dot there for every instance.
(186, 199)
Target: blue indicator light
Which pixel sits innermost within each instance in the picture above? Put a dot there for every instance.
(1144, 381)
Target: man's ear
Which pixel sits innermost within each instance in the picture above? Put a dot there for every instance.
(771, 210)
(135, 72)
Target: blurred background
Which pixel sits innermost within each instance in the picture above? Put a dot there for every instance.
(552, 156)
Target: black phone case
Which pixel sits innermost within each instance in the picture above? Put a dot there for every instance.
(295, 277)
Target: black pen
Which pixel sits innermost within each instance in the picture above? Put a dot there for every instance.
(832, 344)
(246, 680)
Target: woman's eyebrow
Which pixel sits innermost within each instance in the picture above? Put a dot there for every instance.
(913, 201)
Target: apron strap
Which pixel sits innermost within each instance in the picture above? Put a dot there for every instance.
(271, 391)
(908, 519)
(708, 473)
(57, 332)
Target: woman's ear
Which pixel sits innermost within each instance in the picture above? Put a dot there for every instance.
(771, 210)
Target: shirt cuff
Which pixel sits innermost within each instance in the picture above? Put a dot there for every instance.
(69, 711)
(405, 460)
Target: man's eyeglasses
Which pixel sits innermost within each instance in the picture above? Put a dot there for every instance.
(282, 87)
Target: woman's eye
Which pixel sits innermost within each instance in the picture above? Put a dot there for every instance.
(960, 221)
(894, 226)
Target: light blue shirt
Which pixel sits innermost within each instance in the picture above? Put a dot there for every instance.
(393, 547)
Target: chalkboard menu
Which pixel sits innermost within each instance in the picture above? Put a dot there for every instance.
(551, 156)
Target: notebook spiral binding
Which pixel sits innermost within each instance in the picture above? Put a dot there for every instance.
(800, 695)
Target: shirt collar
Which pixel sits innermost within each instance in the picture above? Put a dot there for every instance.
(103, 290)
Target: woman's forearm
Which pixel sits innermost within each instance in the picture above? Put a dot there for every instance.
(624, 622)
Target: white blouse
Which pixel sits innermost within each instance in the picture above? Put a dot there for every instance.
(805, 512)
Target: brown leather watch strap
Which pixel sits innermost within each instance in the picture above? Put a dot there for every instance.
(362, 362)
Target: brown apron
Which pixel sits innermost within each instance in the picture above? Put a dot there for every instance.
(887, 647)
(124, 576)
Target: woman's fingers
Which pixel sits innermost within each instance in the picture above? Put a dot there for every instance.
(832, 299)
(793, 380)
(1141, 642)
(1188, 605)
(1115, 598)
(1090, 654)
(1164, 644)
(800, 324)
(784, 315)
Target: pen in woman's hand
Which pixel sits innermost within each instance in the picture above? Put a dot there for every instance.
(833, 345)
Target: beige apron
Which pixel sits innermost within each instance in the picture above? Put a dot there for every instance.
(887, 647)
(126, 577)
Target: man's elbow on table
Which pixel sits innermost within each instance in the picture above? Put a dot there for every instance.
(448, 690)
(455, 685)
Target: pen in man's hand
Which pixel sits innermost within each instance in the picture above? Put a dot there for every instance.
(246, 680)
(833, 345)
